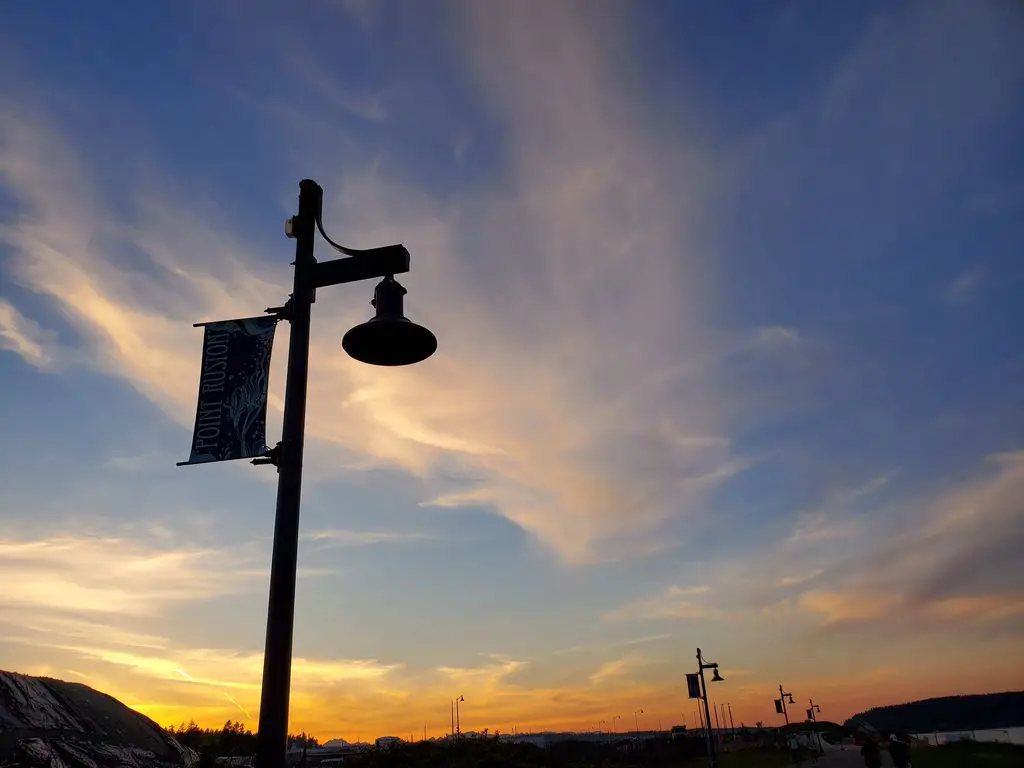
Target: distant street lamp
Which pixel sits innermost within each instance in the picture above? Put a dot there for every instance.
(636, 721)
(617, 717)
(387, 339)
(812, 712)
(780, 703)
(812, 717)
(702, 664)
(458, 721)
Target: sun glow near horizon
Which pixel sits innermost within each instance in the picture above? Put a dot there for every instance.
(726, 312)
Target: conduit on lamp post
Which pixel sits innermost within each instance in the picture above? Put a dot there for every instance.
(388, 339)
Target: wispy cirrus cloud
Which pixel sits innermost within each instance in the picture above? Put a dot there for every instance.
(946, 560)
(106, 575)
(331, 538)
(965, 287)
(587, 647)
(27, 339)
(486, 677)
(38, 625)
(618, 669)
(674, 602)
(217, 670)
(581, 383)
(590, 451)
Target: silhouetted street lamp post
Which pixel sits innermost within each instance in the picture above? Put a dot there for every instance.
(636, 721)
(715, 678)
(458, 721)
(617, 717)
(388, 339)
(782, 699)
(812, 712)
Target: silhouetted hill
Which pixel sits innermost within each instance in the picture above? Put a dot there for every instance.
(948, 713)
(47, 723)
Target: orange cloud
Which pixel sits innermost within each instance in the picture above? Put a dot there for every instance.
(839, 606)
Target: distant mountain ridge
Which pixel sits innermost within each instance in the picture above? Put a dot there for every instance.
(947, 713)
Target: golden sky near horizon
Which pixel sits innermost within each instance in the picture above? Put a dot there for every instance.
(727, 312)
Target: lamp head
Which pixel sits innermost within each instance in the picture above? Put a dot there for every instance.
(389, 337)
(790, 695)
(716, 677)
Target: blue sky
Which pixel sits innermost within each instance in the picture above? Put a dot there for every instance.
(727, 306)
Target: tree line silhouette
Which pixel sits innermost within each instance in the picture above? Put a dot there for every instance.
(947, 713)
(232, 740)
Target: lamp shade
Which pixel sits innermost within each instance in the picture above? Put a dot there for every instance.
(389, 338)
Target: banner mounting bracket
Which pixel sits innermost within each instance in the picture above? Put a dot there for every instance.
(271, 456)
(283, 312)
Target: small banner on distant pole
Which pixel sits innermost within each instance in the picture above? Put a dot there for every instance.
(693, 686)
(778, 707)
(231, 416)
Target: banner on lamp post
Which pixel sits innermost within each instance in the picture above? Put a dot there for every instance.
(231, 414)
(693, 685)
(778, 707)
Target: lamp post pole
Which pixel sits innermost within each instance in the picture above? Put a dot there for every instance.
(272, 736)
(782, 697)
(703, 664)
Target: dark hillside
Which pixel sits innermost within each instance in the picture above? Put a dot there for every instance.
(948, 713)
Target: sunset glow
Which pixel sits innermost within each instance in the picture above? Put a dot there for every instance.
(729, 355)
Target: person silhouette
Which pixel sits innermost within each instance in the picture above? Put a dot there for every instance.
(899, 750)
(872, 753)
